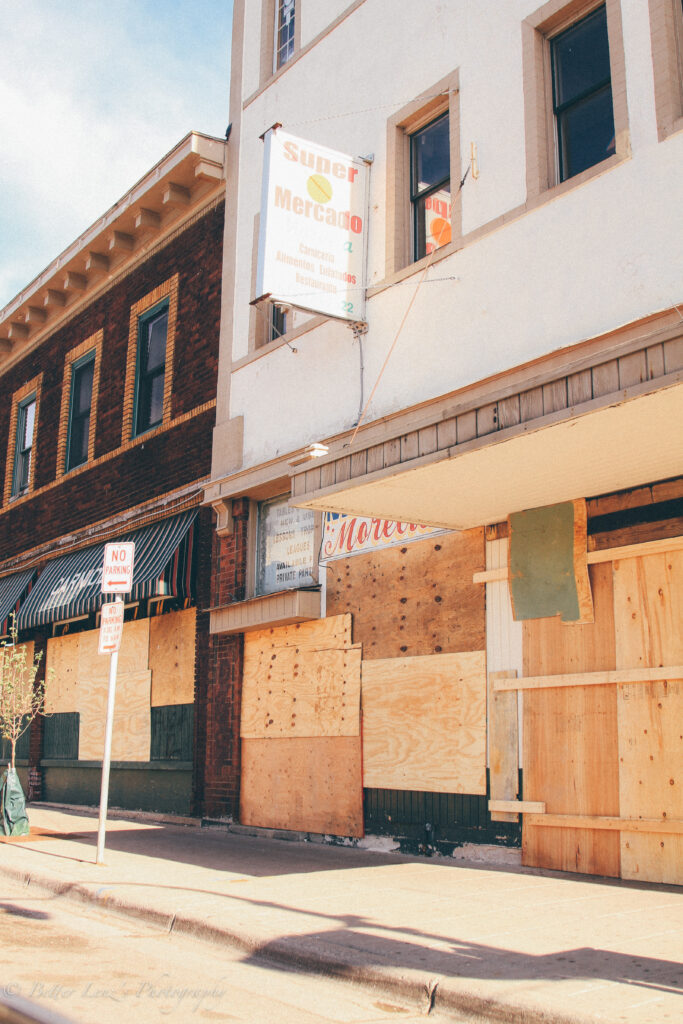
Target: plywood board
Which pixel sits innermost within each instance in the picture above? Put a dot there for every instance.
(287, 691)
(648, 602)
(414, 600)
(303, 784)
(424, 723)
(333, 631)
(131, 735)
(503, 756)
(570, 738)
(61, 685)
(547, 556)
(133, 655)
(172, 657)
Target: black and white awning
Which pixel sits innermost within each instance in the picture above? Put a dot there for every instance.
(70, 586)
(14, 590)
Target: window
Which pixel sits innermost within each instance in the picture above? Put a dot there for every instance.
(430, 187)
(151, 368)
(278, 322)
(82, 374)
(666, 35)
(423, 156)
(575, 107)
(26, 418)
(284, 32)
(582, 95)
(285, 549)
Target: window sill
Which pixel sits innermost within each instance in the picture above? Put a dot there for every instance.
(286, 339)
(281, 609)
(553, 191)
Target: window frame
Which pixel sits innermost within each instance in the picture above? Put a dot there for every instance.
(257, 506)
(268, 66)
(417, 195)
(538, 30)
(24, 396)
(666, 37)
(91, 347)
(145, 320)
(279, 60)
(89, 359)
(19, 452)
(167, 290)
(443, 97)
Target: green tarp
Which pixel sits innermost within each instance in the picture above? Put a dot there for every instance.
(13, 818)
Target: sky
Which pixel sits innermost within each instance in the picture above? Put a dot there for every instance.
(92, 94)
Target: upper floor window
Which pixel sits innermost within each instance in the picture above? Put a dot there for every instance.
(82, 373)
(284, 31)
(582, 95)
(278, 322)
(430, 186)
(151, 368)
(26, 419)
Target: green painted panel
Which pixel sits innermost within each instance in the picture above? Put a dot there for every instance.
(542, 580)
(172, 732)
(22, 747)
(149, 790)
(60, 736)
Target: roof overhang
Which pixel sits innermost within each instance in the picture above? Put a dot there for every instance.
(175, 189)
(620, 445)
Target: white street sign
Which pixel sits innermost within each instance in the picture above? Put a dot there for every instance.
(117, 571)
(111, 627)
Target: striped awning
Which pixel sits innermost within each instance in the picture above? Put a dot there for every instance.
(14, 590)
(70, 586)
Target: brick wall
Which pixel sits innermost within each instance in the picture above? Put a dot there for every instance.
(123, 474)
(219, 676)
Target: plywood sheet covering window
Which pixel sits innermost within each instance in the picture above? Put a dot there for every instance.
(172, 657)
(301, 693)
(304, 784)
(131, 736)
(414, 600)
(79, 682)
(648, 602)
(570, 738)
(424, 723)
(301, 680)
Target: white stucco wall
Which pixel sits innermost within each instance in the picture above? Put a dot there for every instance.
(598, 256)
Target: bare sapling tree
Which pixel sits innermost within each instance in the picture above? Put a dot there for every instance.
(21, 696)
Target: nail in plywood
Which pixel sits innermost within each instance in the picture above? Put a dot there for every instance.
(303, 784)
(131, 734)
(570, 738)
(503, 758)
(648, 600)
(171, 657)
(413, 600)
(424, 723)
(61, 683)
(287, 691)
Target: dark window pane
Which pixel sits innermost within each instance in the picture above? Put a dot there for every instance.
(78, 441)
(586, 133)
(431, 155)
(26, 415)
(155, 355)
(82, 388)
(581, 58)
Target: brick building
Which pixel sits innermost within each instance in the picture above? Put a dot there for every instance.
(108, 363)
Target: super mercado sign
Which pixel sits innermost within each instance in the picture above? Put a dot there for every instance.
(352, 535)
(312, 230)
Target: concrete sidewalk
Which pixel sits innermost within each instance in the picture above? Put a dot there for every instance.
(509, 943)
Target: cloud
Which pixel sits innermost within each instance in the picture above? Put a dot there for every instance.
(92, 94)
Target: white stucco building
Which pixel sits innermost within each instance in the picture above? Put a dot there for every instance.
(531, 359)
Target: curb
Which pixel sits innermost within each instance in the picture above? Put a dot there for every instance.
(427, 993)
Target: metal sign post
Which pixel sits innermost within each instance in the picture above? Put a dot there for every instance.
(117, 578)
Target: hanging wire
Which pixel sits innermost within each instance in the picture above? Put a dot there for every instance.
(405, 317)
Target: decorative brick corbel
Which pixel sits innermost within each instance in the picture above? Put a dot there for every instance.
(223, 510)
